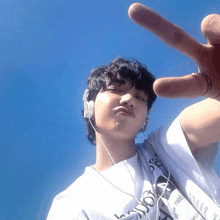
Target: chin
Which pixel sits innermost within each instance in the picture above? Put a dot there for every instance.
(126, 132)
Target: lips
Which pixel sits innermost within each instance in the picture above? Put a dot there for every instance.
(125, 111)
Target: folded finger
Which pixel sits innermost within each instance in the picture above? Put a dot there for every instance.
(189, 86)
(165, 30)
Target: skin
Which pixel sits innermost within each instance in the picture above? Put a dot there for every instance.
(201, 121)
(119, 114)
(206, 56)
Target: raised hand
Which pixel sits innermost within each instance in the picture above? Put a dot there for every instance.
(207, 57)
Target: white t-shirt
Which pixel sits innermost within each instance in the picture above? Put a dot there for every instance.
(110, 194)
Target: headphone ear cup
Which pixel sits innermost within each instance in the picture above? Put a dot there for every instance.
(88, 109)
(145, 125)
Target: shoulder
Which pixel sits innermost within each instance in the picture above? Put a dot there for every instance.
(69, 203)
(172, 148)
(171, 145)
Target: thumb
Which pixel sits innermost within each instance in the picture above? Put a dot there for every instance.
(189, 86)
(210, 27)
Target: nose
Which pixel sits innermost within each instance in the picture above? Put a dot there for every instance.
(128, 100)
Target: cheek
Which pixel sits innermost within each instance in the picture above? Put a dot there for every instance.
(143, 111)
(102, 107)
(143, 115)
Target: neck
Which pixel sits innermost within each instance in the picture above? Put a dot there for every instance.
(119, 150)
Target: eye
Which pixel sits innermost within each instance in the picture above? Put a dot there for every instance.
(140, 98)
(114, 90)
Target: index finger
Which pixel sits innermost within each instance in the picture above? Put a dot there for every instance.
(171, 34)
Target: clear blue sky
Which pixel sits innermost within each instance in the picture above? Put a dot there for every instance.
(47, 50)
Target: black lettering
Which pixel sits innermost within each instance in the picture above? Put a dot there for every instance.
(164, 186)
(205, 210)
(155, 162)
(147, 203)
(147, 208)
(149, 192)
(195, 216)
(149, 198)
(143, 212)
(178, 200)
(119, 217)
(130, 212)
(152, 168)
(215, 216)
(137, 212)
(166, 216)
(201, 206)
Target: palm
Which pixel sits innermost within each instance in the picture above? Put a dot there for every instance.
(207, 57)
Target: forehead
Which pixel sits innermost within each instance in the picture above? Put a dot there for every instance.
(124, 85)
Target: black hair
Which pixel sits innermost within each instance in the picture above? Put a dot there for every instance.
(119, 71)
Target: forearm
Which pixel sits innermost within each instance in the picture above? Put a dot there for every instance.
(201, 123)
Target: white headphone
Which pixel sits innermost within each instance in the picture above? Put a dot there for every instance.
(144, 125)
(88, 105)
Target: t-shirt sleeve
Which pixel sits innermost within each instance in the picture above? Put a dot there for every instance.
(171, 145)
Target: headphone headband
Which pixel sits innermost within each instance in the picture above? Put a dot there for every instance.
(86, 95)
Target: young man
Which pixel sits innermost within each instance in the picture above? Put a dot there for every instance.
(128, 181)
(169, 176)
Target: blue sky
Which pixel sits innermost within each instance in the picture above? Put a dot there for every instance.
(47, 50)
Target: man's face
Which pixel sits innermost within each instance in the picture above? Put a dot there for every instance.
(120, 110)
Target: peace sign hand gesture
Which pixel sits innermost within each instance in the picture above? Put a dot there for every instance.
(207, 56)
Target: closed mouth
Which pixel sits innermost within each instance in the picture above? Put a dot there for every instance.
(125, 111)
